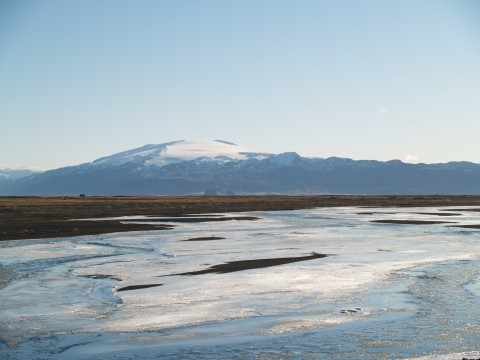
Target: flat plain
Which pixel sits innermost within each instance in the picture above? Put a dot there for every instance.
(49, 217)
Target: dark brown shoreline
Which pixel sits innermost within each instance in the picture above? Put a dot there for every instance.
(45, 217)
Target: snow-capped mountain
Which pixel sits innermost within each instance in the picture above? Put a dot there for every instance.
(177, 151)
(8, 177)
(14, 174)
(223, 168)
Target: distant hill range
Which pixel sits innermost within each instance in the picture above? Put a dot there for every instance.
(222, 168)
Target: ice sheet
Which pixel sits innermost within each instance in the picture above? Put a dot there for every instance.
(70, 285)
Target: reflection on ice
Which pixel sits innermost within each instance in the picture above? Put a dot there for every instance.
(135, 282)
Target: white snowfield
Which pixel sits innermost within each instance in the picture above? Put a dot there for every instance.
(177, 151)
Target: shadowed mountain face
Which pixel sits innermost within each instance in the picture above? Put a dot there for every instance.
(182, 168)
(9, 176)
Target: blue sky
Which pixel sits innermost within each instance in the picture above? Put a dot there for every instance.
(361, 79)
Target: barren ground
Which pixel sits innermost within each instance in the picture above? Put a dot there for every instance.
(46, 217)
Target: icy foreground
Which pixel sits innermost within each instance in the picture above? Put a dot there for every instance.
(142, 294)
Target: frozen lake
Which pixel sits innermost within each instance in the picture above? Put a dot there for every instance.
(385, 290)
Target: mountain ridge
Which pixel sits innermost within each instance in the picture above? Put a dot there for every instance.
(181, 150)
(220, 167)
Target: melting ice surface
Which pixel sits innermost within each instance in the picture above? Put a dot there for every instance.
(386, 290)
